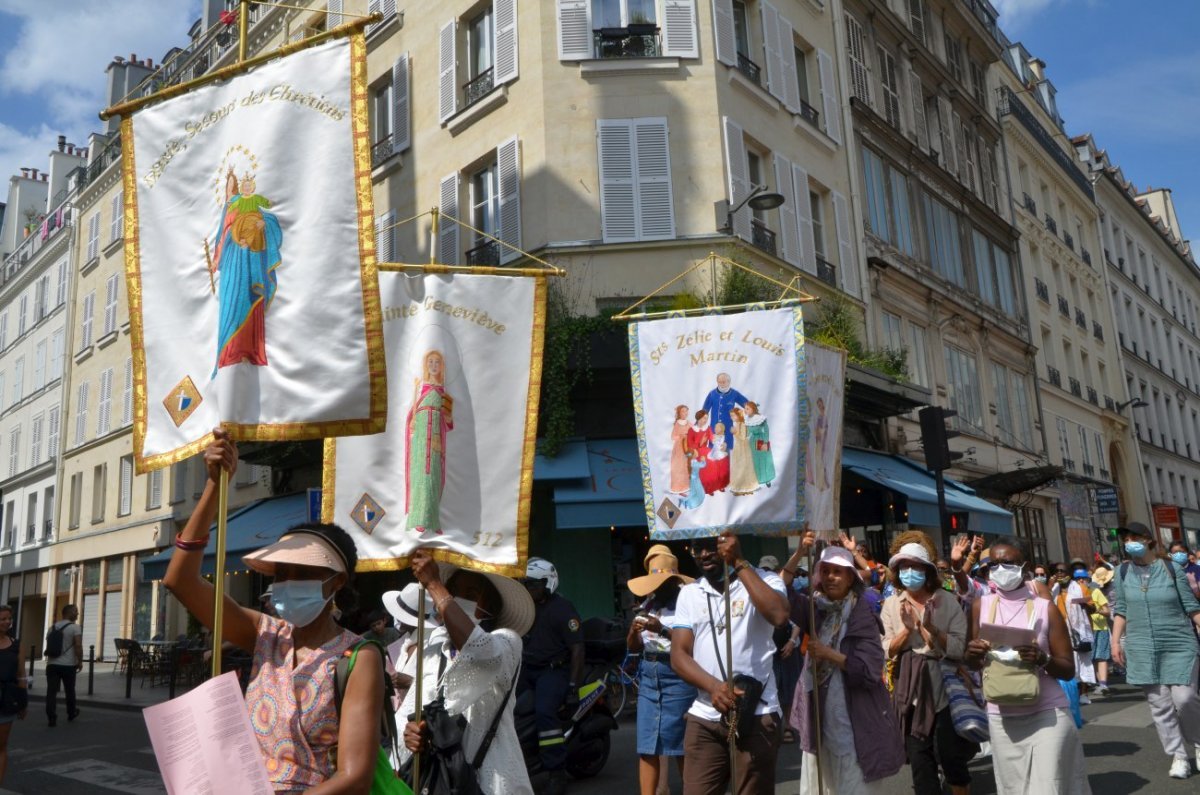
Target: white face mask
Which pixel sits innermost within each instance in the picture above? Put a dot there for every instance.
(1008, 576)
(469, 607)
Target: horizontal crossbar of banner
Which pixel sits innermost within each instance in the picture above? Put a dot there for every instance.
(478, 270)
(716, 310)
(225, 72)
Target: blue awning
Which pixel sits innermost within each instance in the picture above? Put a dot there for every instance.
(571, 463)
(248, 528)
(610, 495)
(916, 483)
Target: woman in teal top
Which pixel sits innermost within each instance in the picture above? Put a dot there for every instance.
(1152, 637)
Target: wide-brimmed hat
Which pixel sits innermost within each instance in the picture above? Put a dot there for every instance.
(661, 565)
(1136, 529)
(836, 556)
(1102, 576)
(516, 605)
(911, 553)
(298, 547)
(403, 604)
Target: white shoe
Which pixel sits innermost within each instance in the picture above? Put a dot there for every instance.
(1083, 699)
(1181, 768)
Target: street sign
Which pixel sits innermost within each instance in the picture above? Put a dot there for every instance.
(1107, 500)
(314, 506)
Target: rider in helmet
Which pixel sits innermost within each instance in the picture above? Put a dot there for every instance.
(552, 666)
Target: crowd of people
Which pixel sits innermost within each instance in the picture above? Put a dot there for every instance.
(870, 666)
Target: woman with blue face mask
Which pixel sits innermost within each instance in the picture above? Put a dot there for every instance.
(1154, 615)
(295, 655)
(923, 625)
(1181, 557)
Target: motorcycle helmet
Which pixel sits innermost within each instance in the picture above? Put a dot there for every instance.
(542, 569)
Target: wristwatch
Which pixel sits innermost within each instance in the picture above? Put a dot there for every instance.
(741, 564)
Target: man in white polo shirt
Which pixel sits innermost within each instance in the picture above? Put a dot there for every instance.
(758, 604)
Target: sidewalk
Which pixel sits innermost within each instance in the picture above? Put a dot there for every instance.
(108, 690)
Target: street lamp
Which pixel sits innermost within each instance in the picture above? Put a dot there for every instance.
(759, 199)
(1137, 403)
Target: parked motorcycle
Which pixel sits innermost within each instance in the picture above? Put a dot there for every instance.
(586, 732)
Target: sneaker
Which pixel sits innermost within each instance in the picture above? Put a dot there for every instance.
(1102, 690)
(1083, 699)
(1181, 768)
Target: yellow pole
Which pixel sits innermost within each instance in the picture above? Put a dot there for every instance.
(433, 240)
(243, 26)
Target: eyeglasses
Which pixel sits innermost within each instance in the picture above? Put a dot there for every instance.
(704, 545)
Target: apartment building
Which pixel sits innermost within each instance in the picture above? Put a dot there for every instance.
(1080, 382)
(34, 290)
(1153, 289)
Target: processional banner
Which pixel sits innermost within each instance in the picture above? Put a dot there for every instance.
(826, 386)
(722, 421)
(250, 258)
(454, 470)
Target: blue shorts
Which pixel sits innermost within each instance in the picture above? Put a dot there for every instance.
(663, 699)
(1101, 646)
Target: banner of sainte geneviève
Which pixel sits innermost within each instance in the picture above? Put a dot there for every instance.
(454, 470)
(722, 420)
(250, 260)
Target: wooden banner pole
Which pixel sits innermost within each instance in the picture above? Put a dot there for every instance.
(729, 679)
(419, 683)
(219, 573)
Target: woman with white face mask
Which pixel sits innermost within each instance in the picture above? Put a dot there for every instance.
(922, 625)
(1035, 745)
(295, 655)
(1154, 614)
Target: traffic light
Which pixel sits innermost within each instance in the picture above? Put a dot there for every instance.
(935, 437)
(958, 522)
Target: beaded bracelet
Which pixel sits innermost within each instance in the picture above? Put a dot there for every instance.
(190, 546)
(440, 603)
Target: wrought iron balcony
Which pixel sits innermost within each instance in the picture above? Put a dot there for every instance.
(30, 532)
(762, 237)
(634, 41)
(1109, 403)
(1089, 470)
(1064, 306)
(1086, 255)
(1030, 204)
(1070, 241)
(1080, 318)
(479, 87)
(1068, 465)
(382, 149)
(1105, 474)
(1054, 376)
(1121, 339)
(1043, 291)
(1121, 266)
(1052, 225)
(826, 271)
(1097, 331)
(486, 253)
(48, 528)
(1073, 383)
(1108, 257)
(809, 114)
(1092, 396)
(750, 69)
(109, 155)
(1133, 346)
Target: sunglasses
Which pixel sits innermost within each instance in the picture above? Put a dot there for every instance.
(704, 545)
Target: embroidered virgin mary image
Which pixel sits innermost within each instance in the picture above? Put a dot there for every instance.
(429, 419)
(242, 262)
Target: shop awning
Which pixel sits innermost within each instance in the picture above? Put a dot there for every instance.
(571, 463)
(610, 495)
(911, 479)
(250, 527)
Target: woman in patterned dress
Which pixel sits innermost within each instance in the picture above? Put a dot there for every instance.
(291, 693)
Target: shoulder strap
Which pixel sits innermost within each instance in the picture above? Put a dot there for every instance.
(1124, 571)
(481, 753)
(342, 670)
(713, 626)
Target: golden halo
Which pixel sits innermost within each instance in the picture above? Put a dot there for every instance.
(242, 161)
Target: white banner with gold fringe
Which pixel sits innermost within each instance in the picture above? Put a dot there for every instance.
(454, 470)
(250, 258)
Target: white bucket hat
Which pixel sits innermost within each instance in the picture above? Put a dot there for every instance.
(911, 553)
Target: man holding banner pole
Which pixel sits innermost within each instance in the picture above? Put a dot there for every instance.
(757, 603)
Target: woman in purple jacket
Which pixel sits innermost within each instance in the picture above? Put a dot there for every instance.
(860, 744)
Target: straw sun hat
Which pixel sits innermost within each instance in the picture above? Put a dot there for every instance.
(661, 565)
(516, 608)
(299, 547)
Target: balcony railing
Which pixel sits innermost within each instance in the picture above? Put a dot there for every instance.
(762, 237)
(1043, 291)
(1089, 470)
(1070, 241)
(1073, 383)
(1030, 204)
(30, 533)
(1133, 347)
(48, 528)
(1109, 403)
(635, 41)
(1052, 225)
(1121, 266)
(479, 87)
(1093, 396)
(1097, 331)
(1086, 255)
(1108, 257)
(750, 69)
(382, 149)
(1055, 376)
(486, 253)
(809, 114)
(1080, 318)
(826, 271)
(1064, 306)
(108, 155)
(1068, 465)
(39, 235)
(1105, 474)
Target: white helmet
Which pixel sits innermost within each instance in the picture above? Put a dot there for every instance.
(542, 569)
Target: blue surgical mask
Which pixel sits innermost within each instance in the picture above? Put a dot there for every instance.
(299, 602)
(1040, 579)
(1180, 558)
(912, 579)
(1135, 549)
(800, 583)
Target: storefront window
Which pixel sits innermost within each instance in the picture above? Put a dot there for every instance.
(91, 576)
(116, 571)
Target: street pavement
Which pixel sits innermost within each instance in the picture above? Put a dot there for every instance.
(107, 751)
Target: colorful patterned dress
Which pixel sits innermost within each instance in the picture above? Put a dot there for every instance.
(425, 464)
(679, 462)
(292, 705)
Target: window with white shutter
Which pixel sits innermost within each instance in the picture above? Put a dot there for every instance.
(39, 365)
(737, 170)
(104, 408)
(35, 440)
(508, 171)
(636, 200)
(385, 7)
(917, 93)
(22, 314)
(125, 499)
(179, 488)
(14, 444)
(846, 259)
(956, 132)
(93, 239)
(40, 297)
(52, 422)
(334, 14)
(58, 342)
(969, 159)
(802, 200)
(506, 55)
(18, 390)
(110, 305)
(116, 223)
(574, 29)
(891, 87)
(856, 52)
(154, 489)
(789, 248)
(3, 330)
(385, 237)
(127, 394)
(680, 35)
(447, 242)
(772, 57)
(85, 325)
(725, 32)
(831, 105)
(916, 18)
(946, 128)
(447, 71)
(60, 296)
(791, 76)
(401, 105)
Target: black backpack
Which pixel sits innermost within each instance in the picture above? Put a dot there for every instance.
(54, 640)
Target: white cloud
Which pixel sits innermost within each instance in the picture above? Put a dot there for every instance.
(1154, 102)
(20, 149)
(1014, 14)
